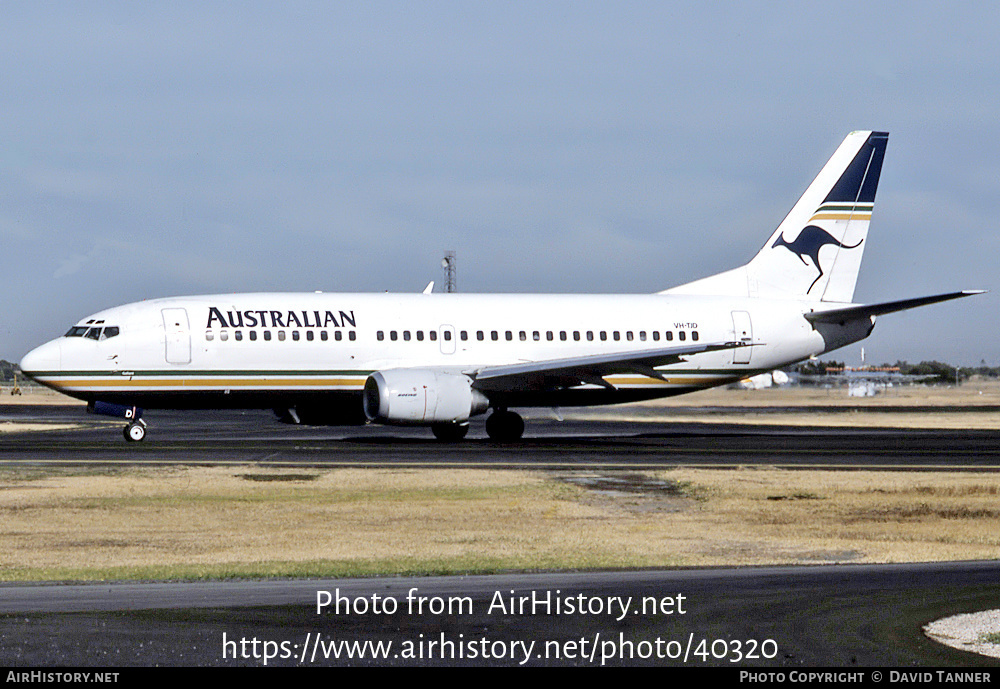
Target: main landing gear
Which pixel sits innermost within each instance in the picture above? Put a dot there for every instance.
(504, 426)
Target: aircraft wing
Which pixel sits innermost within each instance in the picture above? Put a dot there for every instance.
(569, 372)
(851, 313)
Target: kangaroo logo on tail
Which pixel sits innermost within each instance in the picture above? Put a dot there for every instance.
(810, 240)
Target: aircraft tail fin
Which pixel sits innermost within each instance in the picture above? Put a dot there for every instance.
(815, 252)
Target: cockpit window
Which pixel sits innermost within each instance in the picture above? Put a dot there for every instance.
(95, 332)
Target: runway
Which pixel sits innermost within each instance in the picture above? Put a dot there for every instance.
(216, 437)
(846, 616)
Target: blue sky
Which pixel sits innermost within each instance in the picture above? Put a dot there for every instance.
(154, 149)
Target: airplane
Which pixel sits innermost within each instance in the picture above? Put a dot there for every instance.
(438, 359)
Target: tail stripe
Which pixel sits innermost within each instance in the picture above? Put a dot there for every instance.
(841, 211)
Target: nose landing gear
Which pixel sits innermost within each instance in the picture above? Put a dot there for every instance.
(135, 432)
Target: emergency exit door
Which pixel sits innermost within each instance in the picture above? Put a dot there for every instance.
(742, 333)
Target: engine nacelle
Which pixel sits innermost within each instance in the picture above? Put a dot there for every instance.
(421, 396)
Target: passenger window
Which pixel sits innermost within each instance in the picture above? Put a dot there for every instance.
(656, 335)
(267, 335)
(238, 335)
(323, 336)
(447, 335)
(536, 336)
(494, 335)
(480, 335)
(523, 336)
(604, 335)
(617, 335)
(224, 335)
(380, 336)
(590, 335)
(281, 335)
(549, 336)
(209, 335)
(295, 335)
(393, 335)
(420, 336)
(642, 335)
(433, 335)
(628, 335)
(694, 335)
(253, 335)
(576, 335)
(310, 336)
(562, 335)
(464, 335)
(509, 335)
(352, 336)
(682, 336)
(670, 335)
(406, 335)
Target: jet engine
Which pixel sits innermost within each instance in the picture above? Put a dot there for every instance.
(421, 397)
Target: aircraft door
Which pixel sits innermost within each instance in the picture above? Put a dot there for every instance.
(177, 334)
(742, 333)
(446, 335)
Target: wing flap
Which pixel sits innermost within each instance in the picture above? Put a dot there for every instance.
(569, 372)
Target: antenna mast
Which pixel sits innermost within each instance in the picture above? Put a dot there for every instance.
(448, 263)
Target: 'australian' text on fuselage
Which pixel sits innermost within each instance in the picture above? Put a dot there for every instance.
(279, 319)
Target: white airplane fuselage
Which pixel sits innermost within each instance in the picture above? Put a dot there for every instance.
(275, 349)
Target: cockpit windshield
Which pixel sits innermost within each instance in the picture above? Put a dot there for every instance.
(94, 332)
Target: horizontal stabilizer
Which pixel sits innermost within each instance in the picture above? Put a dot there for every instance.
(851, 313)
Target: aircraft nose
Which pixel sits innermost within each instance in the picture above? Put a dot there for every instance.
(48, 357)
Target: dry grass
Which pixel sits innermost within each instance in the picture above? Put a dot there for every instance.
(35, 394)
(225, 521)
(217, 522)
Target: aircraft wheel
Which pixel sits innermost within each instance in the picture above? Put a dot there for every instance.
(504, 426)
(134, 432)
(450, 432)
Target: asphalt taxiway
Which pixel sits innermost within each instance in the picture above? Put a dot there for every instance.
(213, 437)
(844, 616)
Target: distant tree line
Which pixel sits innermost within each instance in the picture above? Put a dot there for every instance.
(818, 368)
(7, 370)
(936, 372)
